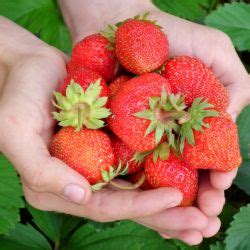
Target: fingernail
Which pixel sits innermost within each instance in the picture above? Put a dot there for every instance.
(74, 193)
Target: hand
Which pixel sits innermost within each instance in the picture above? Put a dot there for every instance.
(33, 71)
(185, 38)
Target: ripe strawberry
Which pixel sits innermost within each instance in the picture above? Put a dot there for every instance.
(140, 46)
(117, 83)
(89, 152)
(93, 53)
(134, 178)
(216, 147)
(173, 173)
(124, 154)
(84, 77)
(132, 98)
(190, 77)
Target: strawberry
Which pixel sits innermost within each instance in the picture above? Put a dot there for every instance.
(81, 108)
(126, 155)
(190, 77)
(84, 77)
(89, 152)
(134, 178)
(130, 121)
(215, 147)
(140, 45)
(117, 83)
(93, 53)
(173, 173)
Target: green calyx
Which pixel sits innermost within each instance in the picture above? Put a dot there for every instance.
(81, 108)
(199, 110)
(108, 176)
(144, 17)
(139, 157)
(165, 113)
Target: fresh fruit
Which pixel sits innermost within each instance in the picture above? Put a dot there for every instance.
(81, 108)
(89, 152)
(126, 155)
(189, 76)
(140, 46)
(134, 178)
(93, 52)
(84, 77)
(173, 173)
(117, 83)
(216, 147)
(130, 99)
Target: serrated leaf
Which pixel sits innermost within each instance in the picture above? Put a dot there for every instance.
(189, 9)
(24, 237)
(217, 246)
(10, 196)
(123, 236)
(238, 233)
(41, 17)
(233, 19)
(243, 177)
(57, 227)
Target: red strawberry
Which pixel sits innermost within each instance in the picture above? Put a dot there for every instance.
(216, 147)
(134, 178)
(141, 46)
(117, 83)
(93, 53)
(89, 152)
(124, 154)
(130, 99)
(173, 173)
(84, 77)
(191, 77)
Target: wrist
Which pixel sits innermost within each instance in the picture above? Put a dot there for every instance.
(90, 16)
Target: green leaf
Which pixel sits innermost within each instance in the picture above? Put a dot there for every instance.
(239, 233)
(41, 17)
(217, 246)
(57, 227)
(189, 9)
(24, 237)
(10, 196)
(123, 236)
(243, 177)
(233, 19)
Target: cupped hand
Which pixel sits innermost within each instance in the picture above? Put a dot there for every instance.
(33, 71)
(216, 50)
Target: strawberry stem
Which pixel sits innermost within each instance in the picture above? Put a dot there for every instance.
(165, 116)
(130, 187)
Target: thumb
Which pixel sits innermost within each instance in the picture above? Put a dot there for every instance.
(43, 173)
(239, 97)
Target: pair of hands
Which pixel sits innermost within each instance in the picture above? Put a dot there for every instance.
(31, 71)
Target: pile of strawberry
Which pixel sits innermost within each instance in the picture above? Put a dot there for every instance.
(166, 117)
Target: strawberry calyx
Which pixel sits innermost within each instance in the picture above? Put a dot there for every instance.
(79, 108)
(139, 157)
(108, 176)
(165, 113)
(199, 110)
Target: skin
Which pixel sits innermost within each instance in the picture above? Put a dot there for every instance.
(31, 70)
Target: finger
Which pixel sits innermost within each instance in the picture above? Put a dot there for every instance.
(222, 180)
(190, 237)
(212, 228)
(239, 97)
(210, 200)
(109, 205)
(40, 171)
(176, 219)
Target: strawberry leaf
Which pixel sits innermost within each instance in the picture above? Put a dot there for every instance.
(233, 19)
(10, 196)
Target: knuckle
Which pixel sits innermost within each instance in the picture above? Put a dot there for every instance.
(194, 218)
(223, 40)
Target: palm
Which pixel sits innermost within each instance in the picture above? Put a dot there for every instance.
(30, 90)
